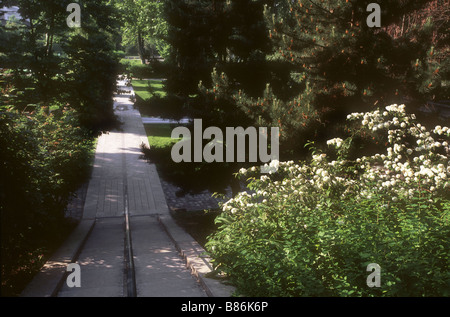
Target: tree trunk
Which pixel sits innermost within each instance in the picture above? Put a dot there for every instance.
(49, 38)
(141, 48)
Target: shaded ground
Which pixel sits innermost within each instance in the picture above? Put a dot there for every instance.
(197, 223)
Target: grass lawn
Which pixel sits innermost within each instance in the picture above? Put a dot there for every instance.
(159, 135)
(145, 88)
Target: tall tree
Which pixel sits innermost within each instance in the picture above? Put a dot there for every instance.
(143, 26)
(223, 34)
(340, 64)
(40, 27)
(90, 65)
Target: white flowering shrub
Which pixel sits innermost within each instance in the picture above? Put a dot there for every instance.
(311, 229)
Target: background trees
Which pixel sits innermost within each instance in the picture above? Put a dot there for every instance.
(301, 66)
(299, 234)
(143, 26)
(208, 34)
(48, 61)
(207, 38)
(340, 65)
(90, 66)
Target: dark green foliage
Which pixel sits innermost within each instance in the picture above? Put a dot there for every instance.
(92, 82)
(165, 107)
(141, 71)
(326, 62)
(44, 159)
(91, 66)
(207, 34)
(43, 155)
(216, 177)
(205, 37)
(57, 86)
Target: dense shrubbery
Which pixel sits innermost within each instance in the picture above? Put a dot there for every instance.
(157, 106)
(186, 174)
(45, 157)
(311, 229)
(48, 152)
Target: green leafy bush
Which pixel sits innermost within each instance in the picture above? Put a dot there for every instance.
(311, 229)
(126, 64)
(45, 156)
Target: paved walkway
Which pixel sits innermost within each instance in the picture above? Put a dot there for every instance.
(155, 255)
(118, 166)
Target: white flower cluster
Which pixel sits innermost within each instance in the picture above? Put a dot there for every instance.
(337, 142)
(412, 158)
(415, 158)
(242, 200)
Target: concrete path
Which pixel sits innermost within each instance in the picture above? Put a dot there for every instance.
(127, 244)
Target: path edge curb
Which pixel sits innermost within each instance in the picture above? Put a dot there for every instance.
(50, 278)
(195, 258)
